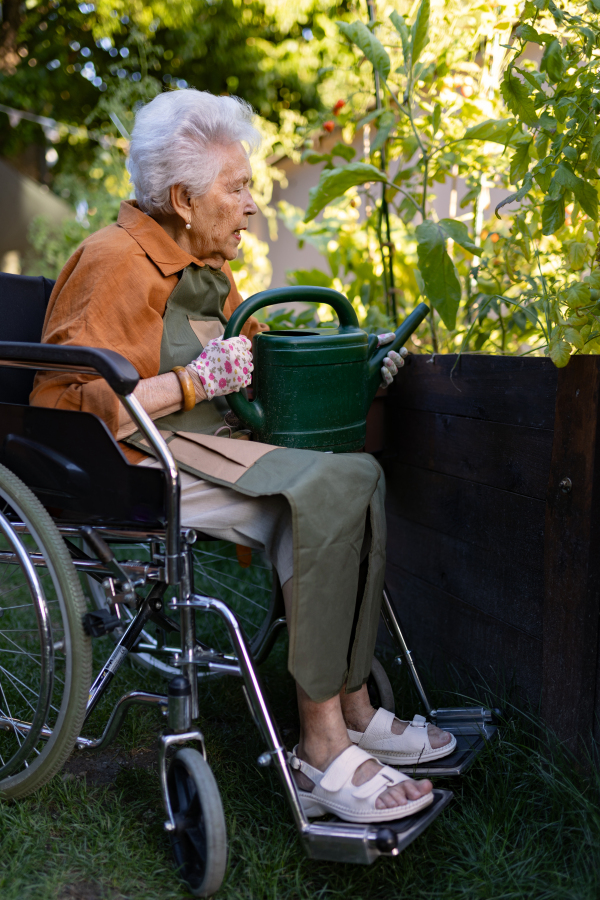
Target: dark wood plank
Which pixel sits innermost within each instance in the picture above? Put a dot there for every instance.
(487, 579)
(572, 557)
(443, 630)
(494, 388)
(474, 513)
(509, 457)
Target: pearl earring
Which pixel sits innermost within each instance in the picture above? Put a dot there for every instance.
(188, 225)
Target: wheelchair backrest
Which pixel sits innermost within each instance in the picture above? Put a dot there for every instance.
(68, 459)
(23, 302)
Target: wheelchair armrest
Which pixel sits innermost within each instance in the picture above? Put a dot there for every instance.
(118, 372)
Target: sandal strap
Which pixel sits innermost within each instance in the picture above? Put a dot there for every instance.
(378, 733)
(343, 768)
(380, 782)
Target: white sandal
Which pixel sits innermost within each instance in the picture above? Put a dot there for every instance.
(411, 747)
(334, 792)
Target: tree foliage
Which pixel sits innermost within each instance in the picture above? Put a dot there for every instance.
(464, 101)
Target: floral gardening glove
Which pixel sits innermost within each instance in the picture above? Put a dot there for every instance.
(393, 361)
(224, 366)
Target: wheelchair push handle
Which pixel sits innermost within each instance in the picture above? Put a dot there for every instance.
(117, 371)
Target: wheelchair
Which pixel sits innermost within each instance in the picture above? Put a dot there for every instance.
(73, 512)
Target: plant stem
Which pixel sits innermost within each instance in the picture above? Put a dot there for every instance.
(434, 340)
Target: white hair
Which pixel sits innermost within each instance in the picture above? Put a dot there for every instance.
(177, 139)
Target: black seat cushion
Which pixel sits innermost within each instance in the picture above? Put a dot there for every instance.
(23, 302)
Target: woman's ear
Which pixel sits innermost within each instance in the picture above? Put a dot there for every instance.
(181, 201)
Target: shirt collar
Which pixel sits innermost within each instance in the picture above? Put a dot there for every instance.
(153, 239)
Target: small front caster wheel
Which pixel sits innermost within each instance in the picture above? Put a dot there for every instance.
(199, 842)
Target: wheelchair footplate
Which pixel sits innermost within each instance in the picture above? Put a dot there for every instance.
(472, 727)
(339, 841)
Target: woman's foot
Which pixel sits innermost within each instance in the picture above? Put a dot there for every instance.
(358, 712)
(321, 756)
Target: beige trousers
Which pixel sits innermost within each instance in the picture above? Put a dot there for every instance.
(262, 523)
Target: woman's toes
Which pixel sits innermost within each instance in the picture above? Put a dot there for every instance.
(401, 794)
(437, 737)
(416, 789)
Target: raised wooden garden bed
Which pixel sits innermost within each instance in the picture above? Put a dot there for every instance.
(493, 516)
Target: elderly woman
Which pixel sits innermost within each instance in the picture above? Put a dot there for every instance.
(157, 288)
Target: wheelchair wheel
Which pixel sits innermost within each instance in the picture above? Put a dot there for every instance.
(45, 655)
(379, 687)
(248, 591)
(200, 842)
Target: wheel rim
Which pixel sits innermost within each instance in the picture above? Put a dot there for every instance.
(34, 646)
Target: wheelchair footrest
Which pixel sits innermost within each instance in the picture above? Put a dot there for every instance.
(339, 841)
(457, 762)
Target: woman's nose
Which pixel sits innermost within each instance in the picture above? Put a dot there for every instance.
(250, 207)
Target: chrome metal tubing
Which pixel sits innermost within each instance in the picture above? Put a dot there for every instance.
(172, 492)
(393, 626)
(166, 741)
(95, 567)
(46, 650)
(117, 717)
(257, 700)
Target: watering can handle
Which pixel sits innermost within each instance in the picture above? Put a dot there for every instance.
(252, 413)
(301, 294)
(377, 355)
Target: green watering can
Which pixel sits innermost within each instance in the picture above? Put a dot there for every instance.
(313, 387)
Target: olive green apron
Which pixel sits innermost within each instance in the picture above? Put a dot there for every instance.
(330, 498)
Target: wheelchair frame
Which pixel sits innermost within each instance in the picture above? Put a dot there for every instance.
(330, 840)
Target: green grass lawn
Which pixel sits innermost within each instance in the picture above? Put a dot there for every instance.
(522, 824)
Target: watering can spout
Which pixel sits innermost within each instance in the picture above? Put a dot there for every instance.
(377, 355)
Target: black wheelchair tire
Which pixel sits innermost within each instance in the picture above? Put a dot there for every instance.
(77, 653)
(380, 688)
(200, 844)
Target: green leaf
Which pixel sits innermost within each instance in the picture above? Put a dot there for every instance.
(400, 25)
(553, 215)
(385, 124)
(577, 254)
(459, 233)
(518, 195)
(573, 337)
(517, 99)
(552, 62)
(437, 270)
(312, 157)
(343, 150)
(436, 118)
(519, 163)
(420, 31)
(578, 295)
(527, 33)
(498, 131)
(366, 41)
(585, 193)
(560, 353)
(543, 175)
(309, 276)
(335, 182)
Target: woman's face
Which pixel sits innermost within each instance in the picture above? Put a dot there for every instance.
(219, 216)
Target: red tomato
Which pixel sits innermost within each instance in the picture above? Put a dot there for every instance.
(338, 106)
(329, 126)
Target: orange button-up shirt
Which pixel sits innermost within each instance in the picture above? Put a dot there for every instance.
(112, 294)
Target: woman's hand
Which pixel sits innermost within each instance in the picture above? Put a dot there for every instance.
(393, 361)
(225, 366)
